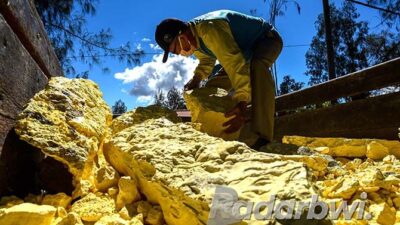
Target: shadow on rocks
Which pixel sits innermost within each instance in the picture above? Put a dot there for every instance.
(280, 148)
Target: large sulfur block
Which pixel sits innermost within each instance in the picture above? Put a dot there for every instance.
(208, 107)
(28, 213)
(67, 121)
(178, 168)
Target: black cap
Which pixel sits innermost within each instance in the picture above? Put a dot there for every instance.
(166, 32)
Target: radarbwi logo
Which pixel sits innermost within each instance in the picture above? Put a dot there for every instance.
(227, 209)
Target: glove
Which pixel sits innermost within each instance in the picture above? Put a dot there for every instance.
(192, 84)
(234, 124)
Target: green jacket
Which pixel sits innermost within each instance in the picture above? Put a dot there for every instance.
(228, 37)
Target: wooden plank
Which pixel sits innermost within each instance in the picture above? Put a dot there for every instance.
(22, 17)
(368, 118)
(375, 77)
(20, 78)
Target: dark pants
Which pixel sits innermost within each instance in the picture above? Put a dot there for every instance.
(266, 51)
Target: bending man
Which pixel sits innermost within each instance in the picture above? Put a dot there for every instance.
(245, 46)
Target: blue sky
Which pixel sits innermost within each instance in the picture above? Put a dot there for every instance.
(135, 21)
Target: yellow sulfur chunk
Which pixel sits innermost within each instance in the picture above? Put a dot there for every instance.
(27, 213)
(91, 207)
(178, 167)
(61, 212)
(128, 192)
(105, 175)
(383, 214)
(112, 191)
(57, 200)
(70, 219)
(111, 220)
(67, 121)
(141, 114)
(9, 201)
(396, 202)
(345, 189)
(207, 107)
(345, 147)
(35, 199)
(143, 207)
(116, 220)
(376, 150)
(155, 217)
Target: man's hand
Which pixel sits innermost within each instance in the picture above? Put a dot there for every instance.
(239, 111)
(192, 84)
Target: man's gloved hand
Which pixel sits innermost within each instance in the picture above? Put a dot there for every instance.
(239, 111)
(192, 84)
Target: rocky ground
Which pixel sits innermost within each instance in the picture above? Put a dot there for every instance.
(147, 167)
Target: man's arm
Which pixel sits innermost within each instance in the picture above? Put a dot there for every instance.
(202, 71)
(206, 65)
(219, 39)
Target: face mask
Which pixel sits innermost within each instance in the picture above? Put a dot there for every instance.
(183, 51)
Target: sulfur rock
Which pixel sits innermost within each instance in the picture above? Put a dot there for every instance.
(35, 199)
(390, 159)
(57, 200)
(105, 176)
(91, 207)
(376, 150)
(398, 217)
(130, 212)
(136, 221)
(175, 168)
(9, 201)
(155, 217)
(396, 202)
(70, 219)
(345, 189)
(383, 214)
(323, 150)
(111, 220)
(178, 168)
(344, 147)
(128, 191)
(61, 212)
(208, 107)
(141, 114)
(27, 213)
(124, 213)
(116, 220)
(112, 191)
(142, 207)
(67, 121)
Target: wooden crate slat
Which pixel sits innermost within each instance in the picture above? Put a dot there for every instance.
(22, 17)
(368, 118)
(379, 76)
(20, 78)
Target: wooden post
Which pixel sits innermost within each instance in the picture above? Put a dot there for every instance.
(329, 44)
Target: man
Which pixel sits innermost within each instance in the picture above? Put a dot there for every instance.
(245, 46)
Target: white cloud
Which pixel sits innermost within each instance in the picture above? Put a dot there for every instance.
(145, 99)
(155, 47)
(149, 77)
(145, 39)
(123, 90)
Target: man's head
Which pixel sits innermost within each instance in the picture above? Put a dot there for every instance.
(174, 36)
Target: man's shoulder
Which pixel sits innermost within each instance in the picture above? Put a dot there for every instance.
(214, 15)
(204, 27)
